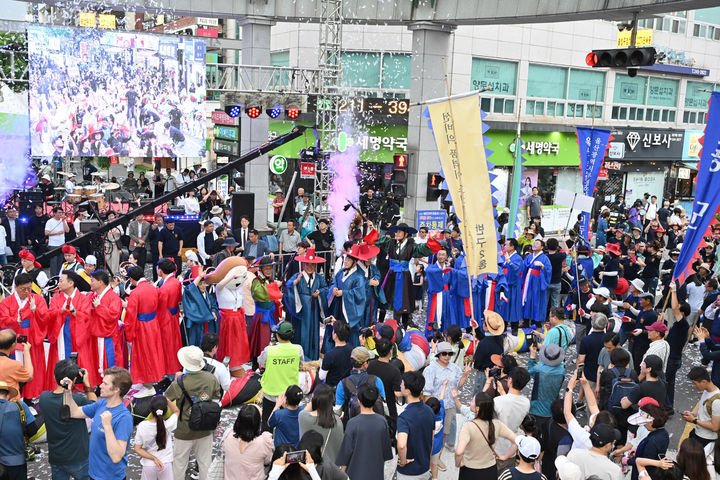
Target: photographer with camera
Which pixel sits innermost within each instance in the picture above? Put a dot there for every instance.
(68, 439)
(13, 372)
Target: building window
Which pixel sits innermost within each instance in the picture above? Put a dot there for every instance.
(586, 85)
(547, 82)
(499, 75)
(396, 71)
(662, 92)
(361, 69)
(630, 89)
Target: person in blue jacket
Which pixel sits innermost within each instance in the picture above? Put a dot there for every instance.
(535, 287)
(200, 311)
(347, 296)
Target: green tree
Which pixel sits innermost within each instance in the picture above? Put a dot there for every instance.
(14, 59)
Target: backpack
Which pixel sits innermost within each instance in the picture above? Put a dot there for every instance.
(708, 403)
(621, 386)
(352, 403)
(204, 414)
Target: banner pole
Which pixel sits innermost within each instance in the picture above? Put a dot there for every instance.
(516, 182)
(448, 90)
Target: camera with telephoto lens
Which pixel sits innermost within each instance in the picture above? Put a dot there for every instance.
(367, 332)
(495, 372)
(22, 339)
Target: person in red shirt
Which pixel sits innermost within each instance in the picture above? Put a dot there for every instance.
(25, 312)
(142, 329)
(69, 329)
(106, 312)
(168, 313)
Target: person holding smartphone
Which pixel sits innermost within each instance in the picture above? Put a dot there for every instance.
(68, 439)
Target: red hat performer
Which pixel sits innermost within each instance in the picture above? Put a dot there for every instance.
(28, 255)
(70, 250)
(613, 248)
(309, 257)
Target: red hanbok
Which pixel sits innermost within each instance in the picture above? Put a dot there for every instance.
(105, 330)
(70, 332)
(168, 312)
(32, 324)
(142, 329)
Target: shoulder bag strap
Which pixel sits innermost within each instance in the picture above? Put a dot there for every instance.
(186, 396)
(486, 439)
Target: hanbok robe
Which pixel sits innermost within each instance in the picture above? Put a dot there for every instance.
(535, 288)
(441, 308)
(234, 342)
(375, 295)
(398, 284)
(105, 329)
(142, 329)
(168, 314)
(460, 295)
(16, 314)
(198, 310)
(486, 295)
(351, 306)
(307, 312)
(70, 332)
(268, 305)
(514, 271)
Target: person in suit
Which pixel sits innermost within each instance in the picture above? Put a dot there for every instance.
(15, 232)
(255, 247)
(139, 232)
(242, 234)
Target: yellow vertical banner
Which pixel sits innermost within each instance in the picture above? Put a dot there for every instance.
(457, 126)
(107, 20)
(86, 19)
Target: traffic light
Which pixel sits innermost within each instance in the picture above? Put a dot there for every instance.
(622, 57)
(398, 183)
(433, 186)
(400, 160)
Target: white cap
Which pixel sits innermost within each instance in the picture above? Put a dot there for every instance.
(528, 447)
(91, 259)
(603, 291)
(190, 255)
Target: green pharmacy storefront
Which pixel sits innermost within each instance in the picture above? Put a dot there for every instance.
(551, 163)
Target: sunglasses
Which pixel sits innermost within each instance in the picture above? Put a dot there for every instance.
(445, 354)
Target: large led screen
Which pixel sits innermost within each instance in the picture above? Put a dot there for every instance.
(100, 92)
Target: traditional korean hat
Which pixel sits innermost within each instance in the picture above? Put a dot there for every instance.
(309, 257)
(28, 255)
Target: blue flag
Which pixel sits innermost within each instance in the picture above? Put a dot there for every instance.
(707, 195)
(592, 143)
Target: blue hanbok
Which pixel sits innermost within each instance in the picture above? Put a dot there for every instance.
(535, 287)
(514, 271)
(198, 309)
(441, 308)
(375, 295)
(350, 307)
(307, 312)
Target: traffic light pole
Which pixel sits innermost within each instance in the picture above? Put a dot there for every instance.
(633, 33)
(150, 206)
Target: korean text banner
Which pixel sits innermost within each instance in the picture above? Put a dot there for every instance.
(457, 125)
(707, 195)
(593, 143)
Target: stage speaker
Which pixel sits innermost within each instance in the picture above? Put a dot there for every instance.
(27, 201)
(243, 203)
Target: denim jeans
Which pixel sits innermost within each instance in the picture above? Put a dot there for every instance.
(554, 291)
(479, 382)
(76, 471)
(671, 371)
(56, 262)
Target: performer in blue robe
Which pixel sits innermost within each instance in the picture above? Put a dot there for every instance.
(538, 271)
(306, 302)
(200, 311)
(490, 292)
(375, 294)
(441, 309)
(347, 298)
(460, 295)
(514, 271)
(398, 283)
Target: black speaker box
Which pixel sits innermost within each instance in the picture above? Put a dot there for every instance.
(243, 203)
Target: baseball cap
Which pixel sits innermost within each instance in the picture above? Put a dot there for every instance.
(657, 327)
(91, 259)
(647, 295)
(602, 291)
(285, 328)
(602, 434)
(528, 447)
(361, 355)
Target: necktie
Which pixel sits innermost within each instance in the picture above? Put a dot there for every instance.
(310, 280)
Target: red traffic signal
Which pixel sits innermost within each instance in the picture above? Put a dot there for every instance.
(622, 57)
(400, 160)
(432, 189)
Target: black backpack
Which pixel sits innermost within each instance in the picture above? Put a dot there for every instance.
(352, 403)
(622, 385)
(204, 415)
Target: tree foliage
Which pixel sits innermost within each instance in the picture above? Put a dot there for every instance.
(14, 60)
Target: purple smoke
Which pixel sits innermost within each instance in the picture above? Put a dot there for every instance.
(345, 188)
(15, 163)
